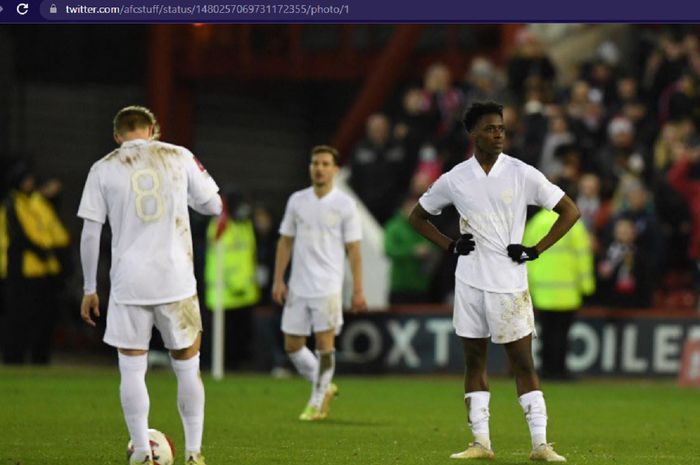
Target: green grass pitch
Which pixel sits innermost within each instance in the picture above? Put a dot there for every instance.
(62, 416)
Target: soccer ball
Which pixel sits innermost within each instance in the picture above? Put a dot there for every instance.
(161, 447)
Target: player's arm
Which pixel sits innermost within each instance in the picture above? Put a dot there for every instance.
(358, 302)
(282, 256)
(211, 207)
(419, 219)
(568, 214)
(89, 258)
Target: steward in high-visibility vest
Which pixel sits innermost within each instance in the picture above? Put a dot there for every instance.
(238, 268)
(558, 280)
(562, 275)
(30, 231)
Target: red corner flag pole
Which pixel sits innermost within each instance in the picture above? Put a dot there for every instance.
(218, 339)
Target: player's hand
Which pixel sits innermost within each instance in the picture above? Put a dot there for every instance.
(358, 303)
(464, 245)
(279, 292)
(521, 254)
(88, 307)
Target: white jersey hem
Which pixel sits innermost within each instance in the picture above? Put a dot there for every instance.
(488, 289)
(159, 301)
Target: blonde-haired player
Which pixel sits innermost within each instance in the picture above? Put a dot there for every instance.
(320, 225)
(144, 188)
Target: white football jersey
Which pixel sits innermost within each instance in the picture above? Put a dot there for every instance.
(144, 188)
(321, 227)
(493, 208)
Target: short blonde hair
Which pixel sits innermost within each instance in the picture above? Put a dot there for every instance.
(133, 117)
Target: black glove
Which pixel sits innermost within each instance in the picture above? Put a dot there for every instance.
(516, 251)
(462, 246)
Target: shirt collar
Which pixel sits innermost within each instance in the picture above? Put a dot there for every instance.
(479, 171)
(133, 143)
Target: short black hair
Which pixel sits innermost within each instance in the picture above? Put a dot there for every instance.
(479, 109)
(327, 149)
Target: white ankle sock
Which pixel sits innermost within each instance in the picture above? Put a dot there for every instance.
(478, 416)
(324, 376)
(134, 399)
(305, 362)
(190, 401)
(536, 415)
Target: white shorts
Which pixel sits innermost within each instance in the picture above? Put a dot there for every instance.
(301, 315)
(506, 317)
(130, 326)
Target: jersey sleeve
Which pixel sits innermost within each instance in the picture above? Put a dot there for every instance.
(288, 227)
(540, 191)
(437, 197)
(93, 206)
(352, 228)
(200, 185)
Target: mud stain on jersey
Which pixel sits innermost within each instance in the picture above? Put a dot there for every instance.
(111, 154)
(130, 159)
(161, 155)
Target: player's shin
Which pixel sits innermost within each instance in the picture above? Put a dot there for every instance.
(324, 376)
(134, 399)
(190, 401)
(305, 362)
(478, 414)
(536, 416)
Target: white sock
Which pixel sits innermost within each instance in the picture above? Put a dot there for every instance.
(478, 416)
(324, 376)
(190, 401)
(536, 415)
(135, 402)
(305, 362)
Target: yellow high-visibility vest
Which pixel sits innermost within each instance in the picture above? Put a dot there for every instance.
(42, 228)
(240, 286)
(564, 273)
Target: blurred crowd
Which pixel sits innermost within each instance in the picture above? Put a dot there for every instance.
(622, 139)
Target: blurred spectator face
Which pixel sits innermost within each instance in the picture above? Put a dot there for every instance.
(28, 183)
(625, 232)
(627, 88)
(579, 92)
(413, 102)
(635, 111)
(691, 43)
(601, 72)
(482, 73)
(262, 220)
(621, 132)
(672, 49)
(378, 129)
(51, 188)
(527, 44)
(637, 198)
(510, 117)
(558, 124)
(437, 78)
(589, 186)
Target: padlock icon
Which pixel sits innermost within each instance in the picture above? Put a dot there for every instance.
(52, 9)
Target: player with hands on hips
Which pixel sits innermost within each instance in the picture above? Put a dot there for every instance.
(491, 192)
